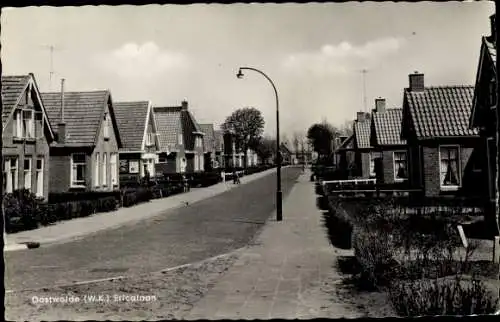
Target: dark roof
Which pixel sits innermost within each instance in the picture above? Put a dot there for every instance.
(362, 134)
(387, 126)
(347, 143)
(12, 88)
(441, 111)
(219, 140)
(132, 122)
(209, 138)
(83, 112)
(173, 120)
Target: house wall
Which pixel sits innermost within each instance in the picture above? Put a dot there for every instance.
(105, 146)
(364, 164)
(60, 169)
(430, 165)
(37, 148)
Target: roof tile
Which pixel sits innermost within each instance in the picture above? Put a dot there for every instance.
(12, 88)
(362, 130)
(209, 138)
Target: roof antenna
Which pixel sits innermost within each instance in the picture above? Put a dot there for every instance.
(364, 71)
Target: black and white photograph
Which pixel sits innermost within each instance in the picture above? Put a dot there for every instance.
(250, 161)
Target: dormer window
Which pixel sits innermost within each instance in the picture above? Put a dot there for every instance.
(106, 126)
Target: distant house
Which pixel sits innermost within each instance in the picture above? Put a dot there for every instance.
(233, 154)
(209, 146)
(26, 136)
(180, 139)
(137, 127)
(484, 106)
(286, 154)
(345, 156)
(219, 149)
(442, 155)
(364, 159)
(85, 154)
(387, 142)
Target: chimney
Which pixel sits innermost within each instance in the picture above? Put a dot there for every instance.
(360, 116)
(184, 105)
(416, 82)
(493, 36)
(380, 105)
(62, 100)
(61, 130)
(61, 133)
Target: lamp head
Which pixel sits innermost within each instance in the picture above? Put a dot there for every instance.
(240, 74)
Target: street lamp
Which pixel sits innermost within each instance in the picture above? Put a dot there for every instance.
(279, 209)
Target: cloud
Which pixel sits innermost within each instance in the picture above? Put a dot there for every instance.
(143, 61)
(343, 57)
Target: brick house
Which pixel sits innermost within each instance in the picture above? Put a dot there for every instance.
(26, 136)
(484, 104)
(386, 140)
(180, 139)
(364, 159)
(85, 153)
(443, 155)
(209, 146)
(137, 128)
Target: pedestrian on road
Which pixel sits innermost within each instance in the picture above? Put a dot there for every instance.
(185, 183)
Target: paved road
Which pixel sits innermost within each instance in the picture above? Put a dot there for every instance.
(205, 229)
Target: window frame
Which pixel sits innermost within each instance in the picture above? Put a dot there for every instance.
(27, 172)
(97, 170)
(73, 182)
(113, 161)
(394, 164)
(11, 173)
(459, 171)
(180, 139)
(39, 174)
(104, 170)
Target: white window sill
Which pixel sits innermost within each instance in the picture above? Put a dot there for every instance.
(77, 186)
(450, 188)
(400, 180)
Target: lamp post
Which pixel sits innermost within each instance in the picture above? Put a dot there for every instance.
(279, 210)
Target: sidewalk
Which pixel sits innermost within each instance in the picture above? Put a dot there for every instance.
(79, 227)
(287, 273)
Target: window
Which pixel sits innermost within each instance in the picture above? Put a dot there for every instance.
(97, 164)
(179, 139)
(24, 124)
(162, 159)
(106, 126)
(198, 142)
(133, 167)
(149, 139)
(449, 167)
(372, 165)
(10, 174)
(78, 163)
(27, 173)
(39, 177)
(196, 162)
(113, 160)
(400, 166)
(28, 124)
(104, 169)
(202, 165)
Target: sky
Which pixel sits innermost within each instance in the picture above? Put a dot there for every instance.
(314, 53)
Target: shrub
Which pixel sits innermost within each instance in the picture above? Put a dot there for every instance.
(132, 197)
(22, 210)
(441, 297)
